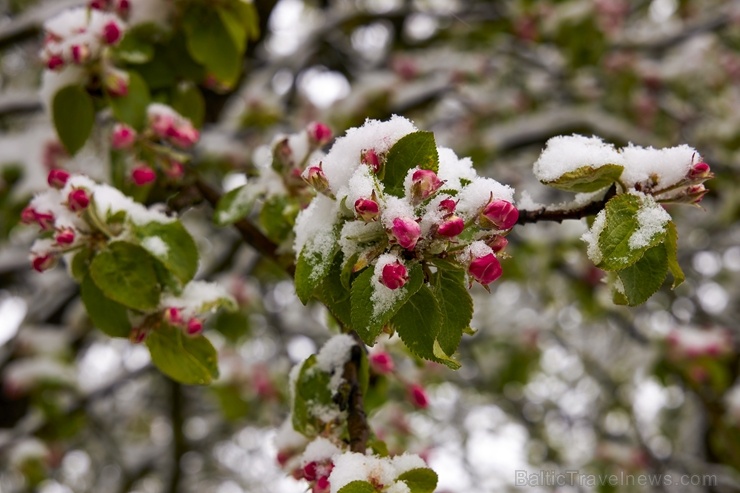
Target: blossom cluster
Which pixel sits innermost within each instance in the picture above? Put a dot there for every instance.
(448, 212)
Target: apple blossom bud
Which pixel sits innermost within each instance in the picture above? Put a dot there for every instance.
(42, 262)
(78, 199)
(123, 136)
(371, 158)
(699, 171)
(424, 182)
(28, 215)
(183, 136)
(315, 177)
(695, 193)
(161, 123)
(55, 62)
(452, 226)
(322, 485)
(194, 327)
(65, 236)
(143, 174)
(406, 232)
(123, 7)
(173, 316)
(367, 210)
(283, 457)
(394, 276)
(112, 33)
(382, 362)
(80, 53)
(175, 170)
(448, 205)
(309, 471)
(137, 335)
(418, 396)
(57, 178)
(45, 220)
(497, 243)
(485, 269)
(499, 214)
(116, 82)
(98, 4)
(319, 134)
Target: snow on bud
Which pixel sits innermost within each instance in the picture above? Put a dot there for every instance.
(42, 262)
(112, 33)
(78, 199)
(406, 232)
(194, 327)
(57, 178)
(699, 171)
(448, 205)
(143, 174)
(499, 214)
(382, 362)
(418, 396)
(123, 136)
(424, 182)
(116, 82)
(315, 177)
(371, 158)
(485, 269)
(451, 227)
(65, 236)
(367, 209)
(55, 62)
(394, 276)
(319, 134)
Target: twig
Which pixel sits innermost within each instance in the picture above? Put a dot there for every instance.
(560, 215)
(179, 445)
(357, 425)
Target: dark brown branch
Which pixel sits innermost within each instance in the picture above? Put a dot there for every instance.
(179, 445)
(558, 215)
(357, 426)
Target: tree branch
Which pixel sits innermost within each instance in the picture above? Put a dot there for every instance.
(178, 446)
(560, 215)
(357, 425)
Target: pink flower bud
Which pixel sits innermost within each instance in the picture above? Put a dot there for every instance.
(394, 276)
(183, 136)
(424, 182)
(173, 316)
(45, 220)
(78, 199)
(42, 262)
(112, 33)
(315, 177)
(367, 209)
(498, 243)
(499, 214)
(485, 269)
(137, 335)
(28, 215)
(309, 471)
(98, 4)
(116, 82)
(194, 327)
(382, 362)
(418, 396)
(452, 226)
(322, 485)
(123, 136)
(371, 158)
(80, 53)
(319, 134)
(406, 232)
(695, 193)
(143, 174)
(65, 236)
(175, 170)
(699, 171)
(123, 7)
(55, 62)
(57, 178)
(448, 205)
(162, 124)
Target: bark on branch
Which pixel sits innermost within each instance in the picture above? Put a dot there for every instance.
(560, 215)
(357, 425)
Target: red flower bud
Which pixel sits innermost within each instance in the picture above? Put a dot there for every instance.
(322, 485)
(194, 327)
(143, 174)
(394, 276)
(381, 362)
(315, 177)
(367, 209)
(45, 220)
(57, 178)
(175, 170)
(173, 316)
(418, 396)
(448, 205)
(55, 62)
(370, 157)
(497, 243)
(65, 236)
(183, 136)
(699, 171)
(424, 182)
(28, 215)
(451, 227)
(98, 4)
(485, 269)
(319, 134)
(116, 82)
(42, 262)
(499, 214)
(78, 199)
(137, 335)
(309, 471)
(406, 232)
(80, 54)
(123, 136)
(112, 33)
(123, 7)
(695, 193)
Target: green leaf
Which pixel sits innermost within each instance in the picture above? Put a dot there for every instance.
(249, 17)
(81, 264)
(455, 303)
(125, 273)
(171, 244)
(276, 218)
(104, 313)
(418, 323)
(646, 276)
(310, 270)
(210, 43)
(367, 324)
(189, 360)
(671, 249)
(74, 115)
(588, 179)
(135, 48)
(235, 204)
(621, 223)
(233, 325)
(131, 108)
(188, 101)
(358, 486)
(417, 149)
(311, 392)
(335, 296)
(421, 480)
(234, 26)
